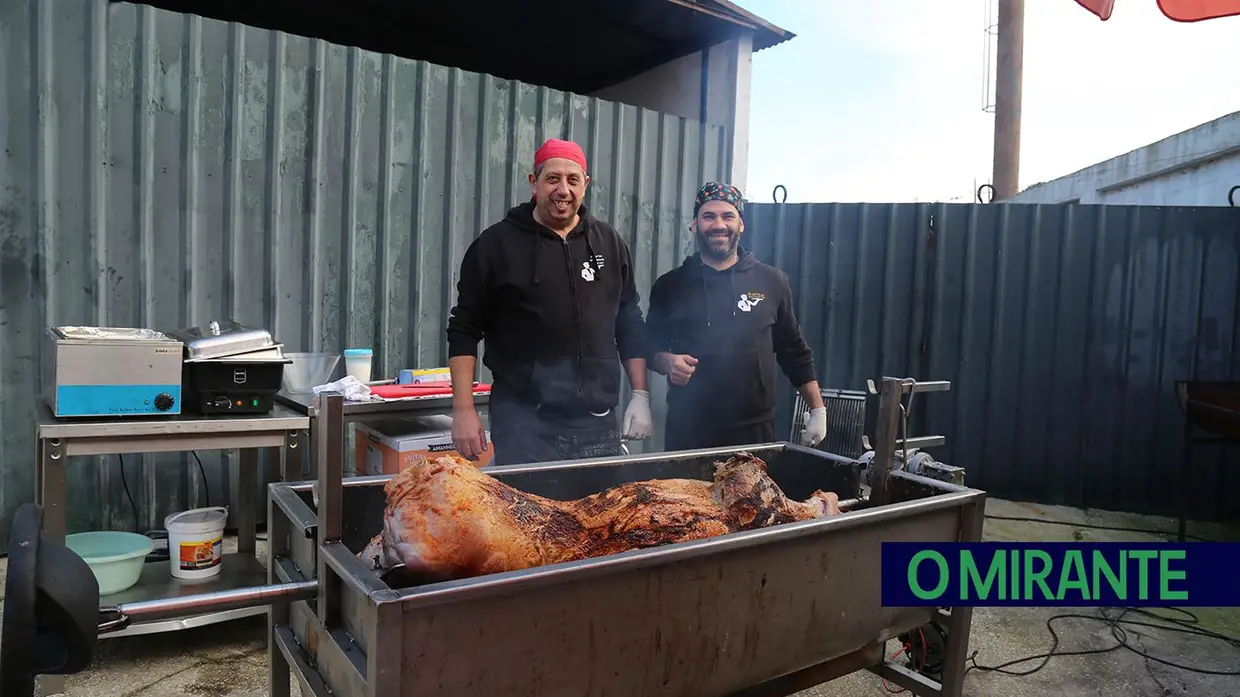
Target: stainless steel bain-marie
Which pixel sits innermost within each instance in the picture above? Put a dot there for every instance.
(769, 611)
(111, 371)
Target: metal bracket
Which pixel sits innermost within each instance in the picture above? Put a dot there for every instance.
(914, 443)
(942, 472)
(909, 385)
(892, 431)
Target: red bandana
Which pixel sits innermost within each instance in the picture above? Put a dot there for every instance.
(560, 148)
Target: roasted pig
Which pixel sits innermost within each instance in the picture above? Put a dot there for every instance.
(445, 519)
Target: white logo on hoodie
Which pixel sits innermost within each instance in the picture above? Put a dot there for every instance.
(747, 302)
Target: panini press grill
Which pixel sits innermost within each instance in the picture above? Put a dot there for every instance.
(230, 369)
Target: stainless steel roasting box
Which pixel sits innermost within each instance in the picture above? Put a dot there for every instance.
(763, 612)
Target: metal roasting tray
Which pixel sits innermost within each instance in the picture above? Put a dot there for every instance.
(709, 618)
(110, 334)
(218, 339)
(764, 613)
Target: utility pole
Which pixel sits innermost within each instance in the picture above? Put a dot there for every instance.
(1009, 74)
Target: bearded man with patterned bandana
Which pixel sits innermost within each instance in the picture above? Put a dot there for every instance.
(716, 327)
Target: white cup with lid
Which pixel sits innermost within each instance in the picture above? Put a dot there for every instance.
(357, 363)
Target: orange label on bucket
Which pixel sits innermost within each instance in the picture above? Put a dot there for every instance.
(195, 556)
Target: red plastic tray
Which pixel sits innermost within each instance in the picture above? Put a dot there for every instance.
(421, 390)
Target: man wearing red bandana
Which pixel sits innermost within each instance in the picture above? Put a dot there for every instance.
(717, 326)
(549, 290)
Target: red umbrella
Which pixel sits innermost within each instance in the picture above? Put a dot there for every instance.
(1178, 10)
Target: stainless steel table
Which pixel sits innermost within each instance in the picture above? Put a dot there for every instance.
(59, 439)
(359, 412)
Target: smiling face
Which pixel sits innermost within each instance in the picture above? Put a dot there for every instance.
(558, 186)
(718, 227)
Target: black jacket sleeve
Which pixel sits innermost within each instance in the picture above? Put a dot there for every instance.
(630, 325)
(795, 357)
(471, 316)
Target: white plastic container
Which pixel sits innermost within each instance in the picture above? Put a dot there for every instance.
(357, 363)
(196, 541)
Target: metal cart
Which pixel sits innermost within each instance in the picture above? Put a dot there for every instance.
(60, 439)
(766, 612)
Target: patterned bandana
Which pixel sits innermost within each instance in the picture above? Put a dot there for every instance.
(714, 191)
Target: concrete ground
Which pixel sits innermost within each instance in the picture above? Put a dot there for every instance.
(229, 660)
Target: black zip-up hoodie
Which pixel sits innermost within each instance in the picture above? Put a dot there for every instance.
(557, 314)
(738, 323)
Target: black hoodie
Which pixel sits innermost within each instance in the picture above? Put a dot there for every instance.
(738, 323)
(557, 314)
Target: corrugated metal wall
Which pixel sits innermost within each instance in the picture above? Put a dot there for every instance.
(1062, 329)
(163, 170)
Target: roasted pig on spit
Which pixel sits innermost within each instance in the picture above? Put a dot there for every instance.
(445, 519)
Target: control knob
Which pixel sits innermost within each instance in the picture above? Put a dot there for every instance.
(164, 401)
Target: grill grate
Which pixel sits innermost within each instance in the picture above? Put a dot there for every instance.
(845, 422)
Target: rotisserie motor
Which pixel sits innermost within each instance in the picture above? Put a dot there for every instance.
(445, 519)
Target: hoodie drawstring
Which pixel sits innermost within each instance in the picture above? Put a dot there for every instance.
(732, 280)
(591, 260)
(705, 296)
(706, 291)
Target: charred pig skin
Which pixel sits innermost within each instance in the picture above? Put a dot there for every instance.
(445, 519)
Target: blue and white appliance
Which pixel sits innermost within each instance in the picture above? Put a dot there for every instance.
(112, 371)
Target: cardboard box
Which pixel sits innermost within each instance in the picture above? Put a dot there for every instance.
(390, 446)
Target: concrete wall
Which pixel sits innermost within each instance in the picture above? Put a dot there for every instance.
(720, 98)
(1196, 167)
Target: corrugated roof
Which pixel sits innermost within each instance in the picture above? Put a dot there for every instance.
(766, 34)
(593, 46)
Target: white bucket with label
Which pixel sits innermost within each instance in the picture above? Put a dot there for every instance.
(196, 541)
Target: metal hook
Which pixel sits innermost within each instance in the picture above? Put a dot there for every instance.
(1231, 196)
(775, 192)
(982, 188)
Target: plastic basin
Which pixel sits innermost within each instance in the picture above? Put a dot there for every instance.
(308, 370)
(115, 557)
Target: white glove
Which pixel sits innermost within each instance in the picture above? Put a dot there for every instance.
(815, 428)
(637, 420)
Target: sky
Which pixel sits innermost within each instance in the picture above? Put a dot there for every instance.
(882, 101)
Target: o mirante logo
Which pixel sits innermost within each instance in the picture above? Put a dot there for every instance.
(1063, 574)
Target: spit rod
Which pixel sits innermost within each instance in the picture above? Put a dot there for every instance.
(121, 615)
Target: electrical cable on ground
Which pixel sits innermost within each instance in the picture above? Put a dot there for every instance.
(1121, 629)
(1087, 526)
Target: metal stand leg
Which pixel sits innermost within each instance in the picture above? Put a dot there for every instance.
(315, 452)
(289, 469)
(38, 471)
(1183, 480)
(52, 494)
(278, 530)
(274, 470)
(330, 441)
(959, 620)
(890, 400)
(960, 624)
(247, 485)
